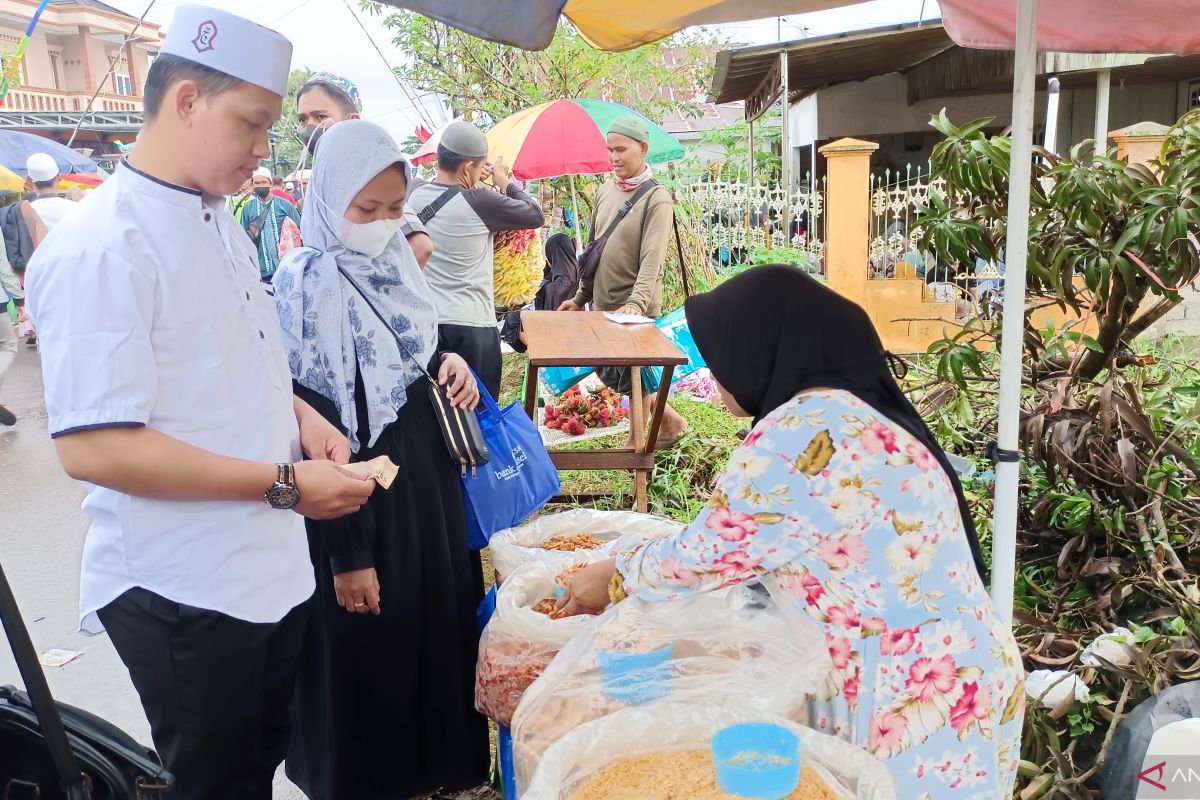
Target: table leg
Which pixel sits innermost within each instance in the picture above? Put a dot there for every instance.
(664, 393)
(637, 417)
(531, 392)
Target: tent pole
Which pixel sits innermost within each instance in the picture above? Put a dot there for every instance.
(751, 154)
(785, 152)
(575, 214)
(1103, 93)
(1051, 139)
(1004, 537)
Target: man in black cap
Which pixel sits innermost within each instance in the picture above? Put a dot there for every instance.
(462, 217)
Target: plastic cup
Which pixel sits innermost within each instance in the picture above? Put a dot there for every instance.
(635, 678)
(758, 760)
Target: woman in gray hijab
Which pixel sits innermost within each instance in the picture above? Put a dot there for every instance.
(384, 704)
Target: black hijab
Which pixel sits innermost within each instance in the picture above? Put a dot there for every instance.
(560, 278)
(773, 331)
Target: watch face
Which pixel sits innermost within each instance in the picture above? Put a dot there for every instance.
(282, 497)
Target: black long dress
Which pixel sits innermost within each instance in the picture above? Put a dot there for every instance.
(384, 705)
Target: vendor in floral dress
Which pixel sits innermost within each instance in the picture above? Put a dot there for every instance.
(842, 497)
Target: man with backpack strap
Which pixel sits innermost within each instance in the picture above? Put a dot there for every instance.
(462, 218)
(629, 276)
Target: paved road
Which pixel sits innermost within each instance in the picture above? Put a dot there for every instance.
(41, 538)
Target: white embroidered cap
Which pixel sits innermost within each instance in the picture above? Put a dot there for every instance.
(232, 45)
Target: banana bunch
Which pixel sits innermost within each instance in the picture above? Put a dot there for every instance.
(518, 267)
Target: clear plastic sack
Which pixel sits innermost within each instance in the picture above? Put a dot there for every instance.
(615, 530)
(848, 771)
(737, 647)
(519, 642)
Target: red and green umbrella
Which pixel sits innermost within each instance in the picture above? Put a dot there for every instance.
(569, 137)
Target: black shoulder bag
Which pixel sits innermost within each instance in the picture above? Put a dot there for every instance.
(460, 428)
(589, 259)
(255, 227)
(53, 751)
(430, 211)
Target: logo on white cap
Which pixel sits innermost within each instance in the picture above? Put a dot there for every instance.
(206, 36)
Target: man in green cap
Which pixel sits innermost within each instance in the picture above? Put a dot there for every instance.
(629, 277)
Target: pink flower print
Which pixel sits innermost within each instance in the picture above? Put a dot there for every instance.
(844, 553)
(813, 588)
(754, 438)
(850, 692)
(874, 626)
(921, 456)
(974, 705)
(839, 650)
(844, 617)
(734, 565)
(898, 642)
(878, 438)
(887, 731)
(732, 526)
(928, 678)
(674, 569)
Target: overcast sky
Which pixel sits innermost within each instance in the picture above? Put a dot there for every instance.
(326, 37)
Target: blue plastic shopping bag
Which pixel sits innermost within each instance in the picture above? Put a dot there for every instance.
(674, 326)
(518, 479)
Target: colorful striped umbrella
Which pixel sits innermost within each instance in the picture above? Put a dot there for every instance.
(11, 181)
(568, 137)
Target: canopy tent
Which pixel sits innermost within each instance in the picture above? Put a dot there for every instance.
(607, 24)
(1025, 26)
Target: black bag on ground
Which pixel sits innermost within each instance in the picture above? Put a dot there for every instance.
(52, 751)
(589, 259)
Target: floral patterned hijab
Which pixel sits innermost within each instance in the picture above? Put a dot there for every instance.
(330, 332)
(773, 332)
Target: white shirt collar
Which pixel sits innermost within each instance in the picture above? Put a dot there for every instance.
(157, 188)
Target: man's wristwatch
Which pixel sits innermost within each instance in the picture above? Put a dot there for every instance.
(283, 495)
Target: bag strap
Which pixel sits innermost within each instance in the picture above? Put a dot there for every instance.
(262, 217)
(484, 395)
(54, 733)
(625, 209)
(404, 349)
(430, 211)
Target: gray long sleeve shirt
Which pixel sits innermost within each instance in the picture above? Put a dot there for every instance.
(460, 270)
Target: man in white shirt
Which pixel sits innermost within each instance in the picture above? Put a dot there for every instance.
(44, 173)
(169, 394)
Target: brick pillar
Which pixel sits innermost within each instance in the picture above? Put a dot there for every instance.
(847, 216)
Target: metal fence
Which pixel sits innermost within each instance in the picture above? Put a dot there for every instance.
(735, 218)
(897, 198)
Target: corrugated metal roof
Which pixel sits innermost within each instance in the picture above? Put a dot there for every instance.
(821, 61)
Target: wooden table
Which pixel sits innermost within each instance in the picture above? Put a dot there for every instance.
(589, 339)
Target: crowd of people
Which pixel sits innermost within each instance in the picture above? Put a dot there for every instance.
(273, 606)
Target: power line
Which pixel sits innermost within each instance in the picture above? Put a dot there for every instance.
(286, 14)
(112, 68)
(417, 105)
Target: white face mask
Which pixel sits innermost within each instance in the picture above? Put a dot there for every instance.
(370, 238)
